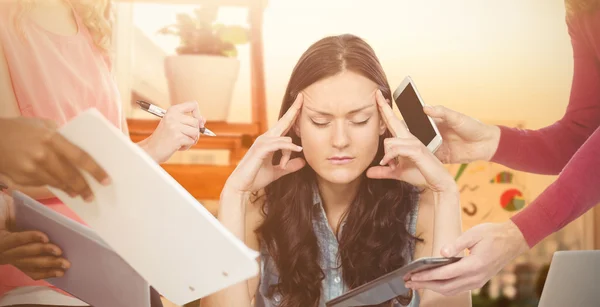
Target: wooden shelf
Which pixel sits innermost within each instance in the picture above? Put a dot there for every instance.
(147, 126)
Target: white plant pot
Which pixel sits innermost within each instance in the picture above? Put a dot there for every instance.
(209, 80)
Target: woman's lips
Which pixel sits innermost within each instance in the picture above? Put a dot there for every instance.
(340, 160)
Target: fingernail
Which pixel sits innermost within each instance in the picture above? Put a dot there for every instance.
(72, 194)
(381, 162)
(59, 274)
(106, 181)
(89, 198)
(65, 265)
(299, 148)
(56, 252)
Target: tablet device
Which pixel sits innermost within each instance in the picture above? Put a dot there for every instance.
(388, 286)
(151, 221)
(97, 276)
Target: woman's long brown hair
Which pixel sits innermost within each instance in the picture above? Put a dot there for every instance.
(375, 239)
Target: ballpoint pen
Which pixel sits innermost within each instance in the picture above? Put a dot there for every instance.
(152, 109)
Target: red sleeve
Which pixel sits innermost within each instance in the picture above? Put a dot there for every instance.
(576, 190)
(547, 150)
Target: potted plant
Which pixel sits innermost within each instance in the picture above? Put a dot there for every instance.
(205, 68)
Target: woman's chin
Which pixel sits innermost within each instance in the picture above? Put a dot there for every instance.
(341, 176)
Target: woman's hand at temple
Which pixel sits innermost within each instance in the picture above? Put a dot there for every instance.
(407, 159)
(255, 170)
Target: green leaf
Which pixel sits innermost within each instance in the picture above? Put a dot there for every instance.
(236, 35)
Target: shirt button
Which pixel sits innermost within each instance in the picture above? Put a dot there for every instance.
(337, 280)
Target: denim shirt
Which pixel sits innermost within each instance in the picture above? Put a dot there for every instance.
(332, 286)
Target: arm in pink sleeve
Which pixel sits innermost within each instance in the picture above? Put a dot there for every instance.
(547, 150)
(576, 190)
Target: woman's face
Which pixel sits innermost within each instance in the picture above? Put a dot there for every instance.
(340, 126)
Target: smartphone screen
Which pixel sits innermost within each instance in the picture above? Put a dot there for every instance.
(412, 111)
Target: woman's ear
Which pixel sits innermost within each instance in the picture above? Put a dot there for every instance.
(382, 127)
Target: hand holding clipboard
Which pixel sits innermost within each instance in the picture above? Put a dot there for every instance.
(34, 154)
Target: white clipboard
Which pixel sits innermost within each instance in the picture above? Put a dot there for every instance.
(151, 221)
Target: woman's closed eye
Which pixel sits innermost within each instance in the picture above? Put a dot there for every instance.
(361, 122)
(323, 123)
(319, 122)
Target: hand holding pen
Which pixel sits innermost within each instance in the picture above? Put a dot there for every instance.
(152, 109)
(177, 131)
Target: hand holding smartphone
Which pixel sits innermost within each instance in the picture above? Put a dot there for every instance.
(409, 102)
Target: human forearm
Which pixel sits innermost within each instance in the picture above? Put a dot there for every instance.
(447, 223)
(232, 211)
(148, 147)
(549, 149)
(571, 195)
(447, 228)
(543, 151)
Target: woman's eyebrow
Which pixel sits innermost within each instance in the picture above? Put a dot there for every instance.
(351, 112)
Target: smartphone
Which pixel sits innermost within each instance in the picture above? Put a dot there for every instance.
(409, 102)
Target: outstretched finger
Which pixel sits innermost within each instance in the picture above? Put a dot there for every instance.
(80, 158)
(463, 267)
(286, 154)
(16, 239)
(288, 119)
(44, 274)
(31, 250)
(196, 114)
(293, 165)
(445, 287)
(428, 165)
(394, 124)
(445, 115)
